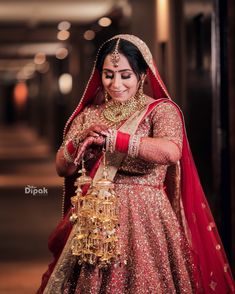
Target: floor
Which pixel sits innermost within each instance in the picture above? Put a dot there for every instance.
(30, 207)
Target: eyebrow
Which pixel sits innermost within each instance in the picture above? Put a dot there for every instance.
(122, 70)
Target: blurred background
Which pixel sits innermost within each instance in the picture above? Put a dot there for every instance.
(47, 50)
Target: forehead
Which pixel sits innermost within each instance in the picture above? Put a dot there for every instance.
(122, 64)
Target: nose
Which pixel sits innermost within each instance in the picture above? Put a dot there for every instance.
(116, 81)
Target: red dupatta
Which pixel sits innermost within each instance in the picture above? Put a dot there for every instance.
(213, 274)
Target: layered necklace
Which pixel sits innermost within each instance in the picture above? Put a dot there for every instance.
(116, 112)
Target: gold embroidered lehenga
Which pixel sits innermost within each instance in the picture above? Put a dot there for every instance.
(167, 238)
(154, 257)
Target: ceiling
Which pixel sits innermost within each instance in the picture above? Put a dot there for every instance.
(30, 26)
(33, 12)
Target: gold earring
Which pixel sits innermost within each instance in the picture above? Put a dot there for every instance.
(141, 88)
(106, 96)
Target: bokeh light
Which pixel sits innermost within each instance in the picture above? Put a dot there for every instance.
(64, 26)
(61, 53)
(65, 83)
(89, 35)
(63, 35)
(20, 94)
(104, 21)
(40, 58)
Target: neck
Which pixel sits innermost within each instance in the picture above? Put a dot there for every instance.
(116, 111)
(123, 103)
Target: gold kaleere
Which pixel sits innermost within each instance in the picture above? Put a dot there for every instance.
(95, 215)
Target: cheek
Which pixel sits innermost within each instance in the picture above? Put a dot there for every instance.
(132, 85)
(106, 82)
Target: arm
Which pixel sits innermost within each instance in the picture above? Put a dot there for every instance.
(163, 148)
(166, 145)
(63, 167)
(159, 150)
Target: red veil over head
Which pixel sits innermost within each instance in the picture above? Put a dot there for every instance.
(213, 274)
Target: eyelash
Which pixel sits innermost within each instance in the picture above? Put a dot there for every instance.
(123, 77)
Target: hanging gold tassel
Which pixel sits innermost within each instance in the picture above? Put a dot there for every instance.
(95, 215)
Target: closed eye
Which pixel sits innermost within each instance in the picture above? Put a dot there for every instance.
(108, 76)
(123, 76)
(126, 76)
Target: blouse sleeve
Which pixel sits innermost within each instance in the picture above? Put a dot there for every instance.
(167, 123)
(76, 127)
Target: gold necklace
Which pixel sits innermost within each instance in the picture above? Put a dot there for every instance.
(115, 111)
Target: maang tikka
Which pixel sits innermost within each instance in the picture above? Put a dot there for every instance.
(115, 56)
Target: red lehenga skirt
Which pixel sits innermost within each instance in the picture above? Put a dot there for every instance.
(154, 253)
(158, 252)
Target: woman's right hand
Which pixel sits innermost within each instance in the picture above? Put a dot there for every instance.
(92, 135)
(91, 140)
(93, 131)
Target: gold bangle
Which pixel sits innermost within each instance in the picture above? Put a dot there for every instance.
(76, 141)
(133, 147)
(111, 141)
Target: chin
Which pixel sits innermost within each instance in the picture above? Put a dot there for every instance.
(120, 99)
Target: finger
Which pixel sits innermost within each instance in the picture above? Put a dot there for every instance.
(99, 141)
(99, 128)
(89, 141)
(84, 145)
(106, 132)
(79, 153)
(78, 158)
(93, 134)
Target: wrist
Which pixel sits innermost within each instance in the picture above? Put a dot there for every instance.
(134, 145)
(123, 142)
(110, 142)
(70, 149)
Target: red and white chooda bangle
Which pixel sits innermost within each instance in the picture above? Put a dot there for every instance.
(134, 145)
(70, 149)
(122, 142)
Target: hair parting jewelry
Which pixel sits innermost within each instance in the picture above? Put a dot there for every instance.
(115, 56)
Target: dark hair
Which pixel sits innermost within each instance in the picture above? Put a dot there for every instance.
(129, 50)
